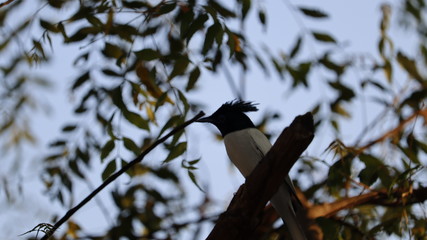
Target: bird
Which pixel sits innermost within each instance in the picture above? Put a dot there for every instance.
(246, 146)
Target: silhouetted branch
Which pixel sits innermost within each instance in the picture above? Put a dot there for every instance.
(5, 3)
(117, 174)
(244, 212)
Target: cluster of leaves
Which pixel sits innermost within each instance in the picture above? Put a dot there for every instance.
(361, 168)
(150, 62)
(139, 61)
(16, 94)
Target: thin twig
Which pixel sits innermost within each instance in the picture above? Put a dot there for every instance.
(229, 78)
(5, 3)
(117, 174)
(395, 130)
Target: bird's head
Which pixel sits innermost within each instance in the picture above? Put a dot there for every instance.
(231, 116)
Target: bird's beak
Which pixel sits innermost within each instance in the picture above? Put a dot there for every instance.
(206, 119)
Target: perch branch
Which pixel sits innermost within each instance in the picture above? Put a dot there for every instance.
(243, 215)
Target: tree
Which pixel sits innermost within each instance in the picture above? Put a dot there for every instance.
(141, 62)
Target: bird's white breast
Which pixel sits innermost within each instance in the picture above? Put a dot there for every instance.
(246, 148)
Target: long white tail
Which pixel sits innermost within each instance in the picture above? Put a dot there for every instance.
(282, 202)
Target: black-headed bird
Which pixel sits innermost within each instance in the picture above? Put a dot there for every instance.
(246, 146)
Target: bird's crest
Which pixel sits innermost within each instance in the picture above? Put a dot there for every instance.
(239, 106)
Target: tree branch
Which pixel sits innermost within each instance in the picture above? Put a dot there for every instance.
(396, 130)
(393, 199)
(5, 3)
(328, 209)
(117, 174)
(244, 212)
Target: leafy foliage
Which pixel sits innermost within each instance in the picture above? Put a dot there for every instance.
(138, 64)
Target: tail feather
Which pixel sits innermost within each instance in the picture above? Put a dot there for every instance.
(282, 202)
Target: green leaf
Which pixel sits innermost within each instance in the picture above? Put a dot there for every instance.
(314, 13)
(58, 143)
(131, 145)
(375, 84)
(197, 24)
(184, 101)
(173, 121)
(107, 148)
(345, 93)
(246, 5)
(39, 47)
(278, 67)
(161, 100)
(112, 51)
(54, 156)
(125, 31)
(111, 73)
(219, 36)
(80, 109)
(136, 120)
(179, 67)
(61, 28)
(410, 153)
(75, 168)
(83, 155)
(65, 179)
(415, 100)
(330, 228)
(226, 13)
(337, 108)
(233, 42)
(192, 162)
(165, 173)
(94, 21)
(423, 51)
(210, 36)
(80, 80)
(192, 79)
(296, 47)
(333, 66)
(388, 70)
(194, 180)
(339, 172)
(148, 54)
(262, 17)
(48, 26)
(59, 194)
(109, 169)
(56, 3)
(373, 165)
(166, 8)
(176, 151)
(323, 37)
(135, 4)
(300, 73)
(117, 98)
(410, 66)
(81, 34)
(69, 128)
